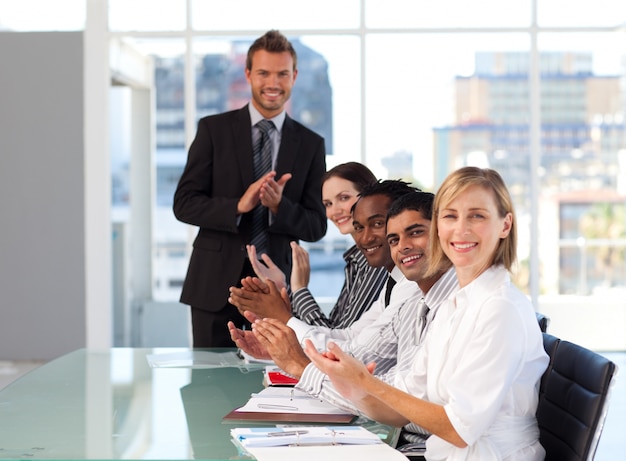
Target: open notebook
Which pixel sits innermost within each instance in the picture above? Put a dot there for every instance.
(288, 405)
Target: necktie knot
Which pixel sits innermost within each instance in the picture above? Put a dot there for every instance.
(423, 311)
(421, 321)
(265, 126)
(262, 150)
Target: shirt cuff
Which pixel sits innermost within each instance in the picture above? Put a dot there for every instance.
(311, 380)
(296, 294)
(299, 327)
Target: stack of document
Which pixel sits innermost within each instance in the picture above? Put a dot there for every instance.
(304, 436)
(194, 359)
(312, 443)
(288, 404)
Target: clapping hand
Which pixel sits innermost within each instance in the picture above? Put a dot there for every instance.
(348, 375)
(267, 271)
(301, 270)
(247, 342)
(271, 192)
(264, 300)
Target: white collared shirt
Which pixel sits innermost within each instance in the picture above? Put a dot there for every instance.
(393, 349)
(366, 326)
(482, 360)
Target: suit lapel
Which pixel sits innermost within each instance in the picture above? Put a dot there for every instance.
(289, 143)
(243, 144)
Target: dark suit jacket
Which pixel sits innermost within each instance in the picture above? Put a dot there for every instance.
(219, 170)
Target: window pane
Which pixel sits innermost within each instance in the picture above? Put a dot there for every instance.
(583, 152)
(145, 15)
(452, 105)
(42, 15)
(568, 13)
(342, 57)
(446, 13)
(171, 154)
(407, 99)
(170, 236)
(278, 14)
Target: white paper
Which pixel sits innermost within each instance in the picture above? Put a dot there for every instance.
(288, 400)
(196, 359)
(303, 436)
(328, 453)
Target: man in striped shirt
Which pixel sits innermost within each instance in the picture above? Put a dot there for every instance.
(397, 338)
(394, 348)
(369, 220)
(363, 282)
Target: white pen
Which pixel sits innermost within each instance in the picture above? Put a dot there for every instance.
(286, 433)
(270, 406)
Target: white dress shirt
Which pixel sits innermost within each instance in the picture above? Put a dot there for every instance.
(367, 325)
(361, 287)
(482, 360)
(393, 348)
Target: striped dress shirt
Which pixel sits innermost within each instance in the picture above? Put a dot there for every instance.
(393, 348)
(366, 326)
(361, 288)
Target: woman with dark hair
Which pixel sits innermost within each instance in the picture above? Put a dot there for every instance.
(341, 186)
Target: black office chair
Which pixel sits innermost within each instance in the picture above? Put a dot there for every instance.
(543, 321)
(573, 400)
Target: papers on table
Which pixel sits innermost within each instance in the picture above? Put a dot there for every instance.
(303, 436)
(327, 453)
(288, 404)
(247, 358)
(312, 443)
(288, 400)
(199, 359)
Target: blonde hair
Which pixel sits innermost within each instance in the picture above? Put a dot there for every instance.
(454, 185)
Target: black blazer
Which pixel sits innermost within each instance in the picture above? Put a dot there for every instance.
(218, 171)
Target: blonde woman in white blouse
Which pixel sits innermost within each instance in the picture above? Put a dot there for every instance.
(474, 383)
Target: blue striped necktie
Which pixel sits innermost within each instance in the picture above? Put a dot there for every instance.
(262, 158)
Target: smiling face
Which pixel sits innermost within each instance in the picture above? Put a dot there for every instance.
(271, 78)
(408, 238)
(470, 229)
(338, 196)
(368, 219)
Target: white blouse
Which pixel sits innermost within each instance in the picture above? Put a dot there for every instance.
(482, 360)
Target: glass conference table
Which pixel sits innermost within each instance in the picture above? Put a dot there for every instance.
(116, 405)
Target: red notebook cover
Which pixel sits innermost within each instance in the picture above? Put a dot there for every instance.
(276, 378)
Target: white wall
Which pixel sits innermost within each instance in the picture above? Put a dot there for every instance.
(42, 193)
(55, 187)
(596, 322)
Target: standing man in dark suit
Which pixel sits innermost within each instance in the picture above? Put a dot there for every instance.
(223, 187)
